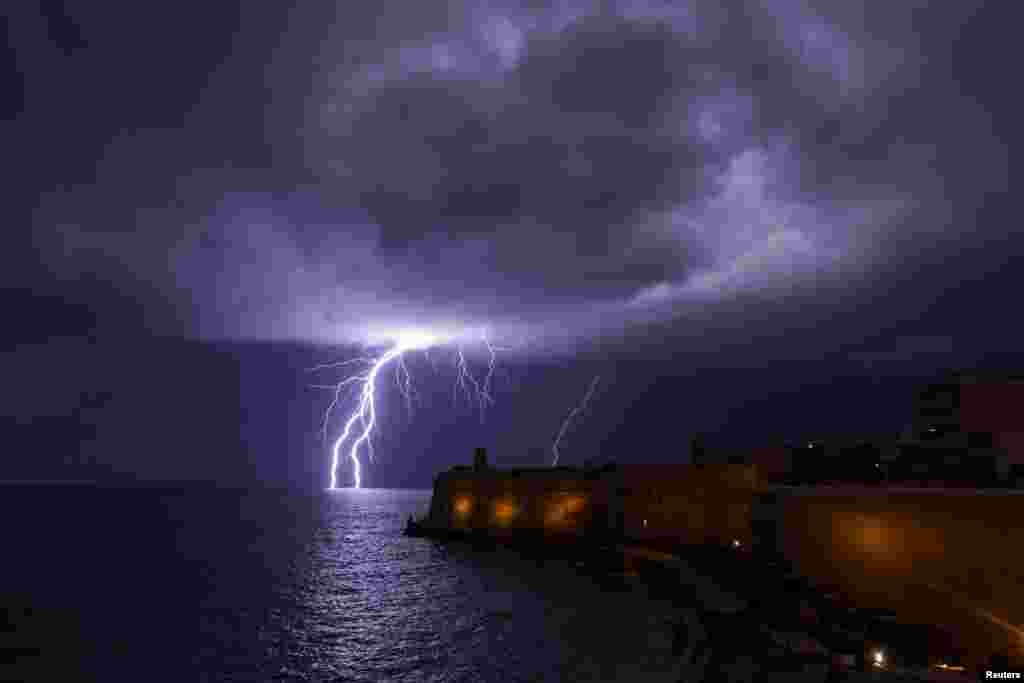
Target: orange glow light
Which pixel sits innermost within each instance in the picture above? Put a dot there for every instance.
(463, 506)
(504, 510)
(556, 514)
(561, 508)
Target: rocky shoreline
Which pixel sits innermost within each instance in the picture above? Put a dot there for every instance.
(741, 617)
(759, 618)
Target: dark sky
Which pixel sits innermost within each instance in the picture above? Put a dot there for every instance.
(727, 210)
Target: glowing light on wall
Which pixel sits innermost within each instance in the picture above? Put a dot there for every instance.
(505, 511)
(463, 506)
(562, 508)
(573, 504)
(556, 514)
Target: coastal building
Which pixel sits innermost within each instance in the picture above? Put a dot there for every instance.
(554, 500)
(851, 457)
(668, 504)
(682, 504)
(967, 429)
(896, 522)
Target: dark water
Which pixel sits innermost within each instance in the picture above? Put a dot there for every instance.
(200, 584)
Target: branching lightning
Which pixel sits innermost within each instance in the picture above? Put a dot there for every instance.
(570, 417)
(468, 383)
(358, 429)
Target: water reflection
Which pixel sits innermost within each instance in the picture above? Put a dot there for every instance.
(206, 584)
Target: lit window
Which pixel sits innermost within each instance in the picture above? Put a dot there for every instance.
(645, 523)
(878, 658)
(504, 510)
(556, 513)
(463, 506)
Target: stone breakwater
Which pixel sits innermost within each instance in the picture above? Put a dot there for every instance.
(909, 554)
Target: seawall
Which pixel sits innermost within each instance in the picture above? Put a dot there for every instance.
(935, 556)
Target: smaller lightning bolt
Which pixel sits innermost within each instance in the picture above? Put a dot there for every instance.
(403, 380)
(490, 369)
(569, 418)
(467, 382)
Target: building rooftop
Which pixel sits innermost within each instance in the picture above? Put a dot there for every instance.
(985, 376)
(535, 471)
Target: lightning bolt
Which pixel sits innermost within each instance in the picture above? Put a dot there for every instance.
(569, 418)
(365, 414)
(357, 433)
(490, 369)
(465, 380)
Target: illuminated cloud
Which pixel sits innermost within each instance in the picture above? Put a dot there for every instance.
(553, 173)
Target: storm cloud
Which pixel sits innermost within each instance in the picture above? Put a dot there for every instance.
(552, 174)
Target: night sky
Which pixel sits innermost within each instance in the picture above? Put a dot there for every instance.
(757, 220)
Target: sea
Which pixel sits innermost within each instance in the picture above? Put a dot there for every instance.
(199, 583)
